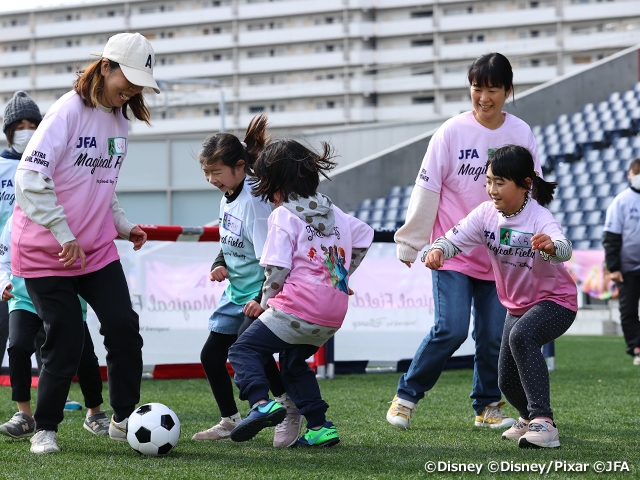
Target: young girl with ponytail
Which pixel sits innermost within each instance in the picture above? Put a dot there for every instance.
(227, 164)
(535, 288)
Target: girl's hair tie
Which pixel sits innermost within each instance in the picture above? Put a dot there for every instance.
(243, 144)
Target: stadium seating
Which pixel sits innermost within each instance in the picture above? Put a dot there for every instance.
(587, 153)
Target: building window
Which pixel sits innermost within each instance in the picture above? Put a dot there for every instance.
(579, 60)
(422, 99)
(422, 14)
(256, 108)
(422, 42)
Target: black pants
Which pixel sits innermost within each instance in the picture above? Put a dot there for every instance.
(24, 327)
(523, 375)
(248, 357)
(4, 329)
(56, 301)
(214, 361)
(628, 297)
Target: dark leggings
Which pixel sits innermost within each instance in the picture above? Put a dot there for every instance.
(25, 327)
(523, 375)
(214, 360)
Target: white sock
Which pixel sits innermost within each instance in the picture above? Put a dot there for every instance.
(235, 418)
(285, 400)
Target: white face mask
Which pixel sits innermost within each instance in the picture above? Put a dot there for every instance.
(20, 139)
(635, 182)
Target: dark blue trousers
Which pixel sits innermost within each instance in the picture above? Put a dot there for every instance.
(248, 357)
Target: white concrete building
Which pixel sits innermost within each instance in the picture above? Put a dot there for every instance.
(307, 63)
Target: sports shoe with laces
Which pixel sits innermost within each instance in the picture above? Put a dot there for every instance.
(541, 434)
(325, 436)
(118, 431)
(221, 431)
(261, 416)
(44, 441)
(20, 425)
(399, 413)
(493, 417)
(636, 356)
(71, 405)
(517, 430)
(98, 424)
(288, 431)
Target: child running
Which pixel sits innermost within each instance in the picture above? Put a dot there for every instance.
(226, 163)
(537, 291)
(24, 327)
(311, 249)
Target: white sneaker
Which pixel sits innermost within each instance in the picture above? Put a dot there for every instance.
(493, 417)
(118, 431)
(399, 414)
(44, 441)
(288, 431)
(221, 431)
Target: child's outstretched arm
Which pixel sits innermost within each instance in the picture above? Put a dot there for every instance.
(274, 278)
(556, 250)
(441, 250)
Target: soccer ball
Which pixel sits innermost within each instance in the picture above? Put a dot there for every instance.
(153, 429)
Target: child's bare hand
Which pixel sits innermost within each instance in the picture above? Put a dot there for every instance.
(6, 293)
(351, 292)
(434, 259)
(252, 309)
(543, 242)
(218, 274)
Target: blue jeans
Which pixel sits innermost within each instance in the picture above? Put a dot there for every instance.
(454, 295)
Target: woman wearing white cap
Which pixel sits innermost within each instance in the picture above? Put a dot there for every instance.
(64, 224)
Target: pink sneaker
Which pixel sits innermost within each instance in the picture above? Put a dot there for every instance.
(541, 434)
(517, 430)
(288, 431)
(221, 431)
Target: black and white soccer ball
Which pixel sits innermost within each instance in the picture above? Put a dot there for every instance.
(153, 429)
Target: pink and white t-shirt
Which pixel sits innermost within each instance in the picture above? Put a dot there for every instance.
(454, 167)
(523, 277)
(316, 288)
(81, 149)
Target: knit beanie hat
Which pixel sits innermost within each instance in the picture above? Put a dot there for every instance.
(20, 107)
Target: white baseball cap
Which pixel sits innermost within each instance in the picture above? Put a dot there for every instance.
(135, 55)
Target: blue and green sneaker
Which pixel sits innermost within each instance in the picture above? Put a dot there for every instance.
(261, 416)
(326, 436)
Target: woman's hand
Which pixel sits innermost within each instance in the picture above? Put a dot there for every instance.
(435, 259)
(6, 295)
(218, 274)
(543, 242)
(138, 237)
(71, 251)
(408, 264)
(252, 308)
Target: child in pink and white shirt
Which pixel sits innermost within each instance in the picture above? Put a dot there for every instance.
(537, 291)
(312, 248)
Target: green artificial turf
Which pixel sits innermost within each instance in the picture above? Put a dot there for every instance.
(594, 393)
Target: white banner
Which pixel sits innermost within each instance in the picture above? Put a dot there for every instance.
(389, 314)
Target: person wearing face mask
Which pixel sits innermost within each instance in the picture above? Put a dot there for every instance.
(64, 225)
(21, 118)
(621, 241)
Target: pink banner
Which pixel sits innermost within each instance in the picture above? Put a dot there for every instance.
(587, 269)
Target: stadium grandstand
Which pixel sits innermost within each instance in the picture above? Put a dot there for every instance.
(585, 149)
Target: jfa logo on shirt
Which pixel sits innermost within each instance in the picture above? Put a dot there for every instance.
(117, 145)
(513, 238)
(233, 224)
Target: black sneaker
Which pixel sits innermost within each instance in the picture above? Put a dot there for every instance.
(20, 425)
